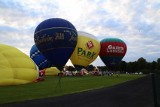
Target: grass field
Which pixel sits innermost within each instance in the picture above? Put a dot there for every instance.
(51, 87)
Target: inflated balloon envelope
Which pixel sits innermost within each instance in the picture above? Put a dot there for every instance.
(86, 51)
(39, 58)
(16, 67)
(52, 71)
(112, 51)
(56, 39)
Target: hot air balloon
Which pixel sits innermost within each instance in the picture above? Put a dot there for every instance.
(56, 39)
(39, 58)
(112, 51)
(86, 51)
(16, 67)
(52, 71)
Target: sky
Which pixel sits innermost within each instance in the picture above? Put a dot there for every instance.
(136, 22)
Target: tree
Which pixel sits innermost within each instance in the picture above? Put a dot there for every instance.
(122, 66)
(154, 64)
(158, 63)
(102, 68)
(70, 68)
(90, 68)
(132, 67)
(141, 63)
(158, 60)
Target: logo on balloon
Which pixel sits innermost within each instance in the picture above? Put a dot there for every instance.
(115, 49)
(90, 44)
(85, 53)
(56, 36)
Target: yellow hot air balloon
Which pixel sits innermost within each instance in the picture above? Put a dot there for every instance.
(86, 51)
(51, 71)
(16, 67)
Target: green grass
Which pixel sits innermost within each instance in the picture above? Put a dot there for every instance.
(51, 87)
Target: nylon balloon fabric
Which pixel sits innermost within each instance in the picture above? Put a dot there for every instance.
(86, 51)
(39, 58)
(16, 67)
(56, 39)
(112, 51)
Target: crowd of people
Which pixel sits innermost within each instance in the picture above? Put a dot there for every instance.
(84, 72)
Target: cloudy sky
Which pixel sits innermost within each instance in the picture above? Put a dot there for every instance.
(136, 22)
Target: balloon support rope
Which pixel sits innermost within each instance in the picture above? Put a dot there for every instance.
(58, 83)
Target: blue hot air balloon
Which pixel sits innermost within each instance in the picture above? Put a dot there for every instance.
(39, 58)
(56, 39)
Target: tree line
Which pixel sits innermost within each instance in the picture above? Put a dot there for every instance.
(141, 65)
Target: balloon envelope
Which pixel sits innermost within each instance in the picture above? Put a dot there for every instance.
(16, 67)
(112, 51)
(56, 38)
(86, 51)
(39, 58)
(52, 71)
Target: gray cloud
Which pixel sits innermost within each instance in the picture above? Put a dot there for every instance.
(136, 22)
